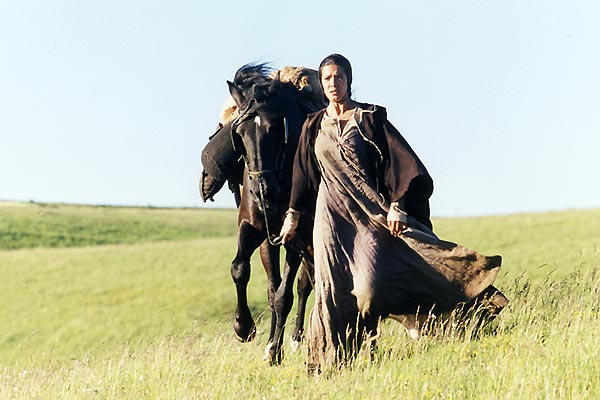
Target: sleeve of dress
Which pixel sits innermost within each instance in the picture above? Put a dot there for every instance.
(402, 167)
(405, 176)
(304, 175)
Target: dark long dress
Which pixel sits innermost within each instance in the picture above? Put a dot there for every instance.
(362, 272)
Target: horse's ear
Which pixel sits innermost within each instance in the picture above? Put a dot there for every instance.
(236, 94)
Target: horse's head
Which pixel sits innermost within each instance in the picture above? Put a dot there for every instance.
(261, 133)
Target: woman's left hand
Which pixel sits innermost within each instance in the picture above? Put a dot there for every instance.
(397, 228)
(397, 220)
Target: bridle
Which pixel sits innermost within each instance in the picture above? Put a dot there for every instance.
(260, 175)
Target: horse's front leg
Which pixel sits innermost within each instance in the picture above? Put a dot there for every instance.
(269, 256)
(284, 298)
(248, 241)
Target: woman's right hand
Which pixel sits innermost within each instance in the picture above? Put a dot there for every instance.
(290, 223)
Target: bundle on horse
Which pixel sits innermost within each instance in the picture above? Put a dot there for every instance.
(254, 150)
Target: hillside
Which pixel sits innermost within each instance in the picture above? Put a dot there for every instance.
(118, 302)
(28, 225)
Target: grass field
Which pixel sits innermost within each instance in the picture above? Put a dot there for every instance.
(137, 303)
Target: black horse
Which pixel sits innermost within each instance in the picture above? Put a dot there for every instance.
(265, 135)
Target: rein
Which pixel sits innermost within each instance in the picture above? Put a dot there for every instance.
(262, 201)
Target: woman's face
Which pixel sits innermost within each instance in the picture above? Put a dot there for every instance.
(335, 83)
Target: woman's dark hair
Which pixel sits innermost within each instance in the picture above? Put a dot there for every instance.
(341, 62)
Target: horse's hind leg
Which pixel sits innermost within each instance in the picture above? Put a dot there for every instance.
(248, 240)
(284, 299)
(304, 288)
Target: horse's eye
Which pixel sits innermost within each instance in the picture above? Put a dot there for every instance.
(257, 120)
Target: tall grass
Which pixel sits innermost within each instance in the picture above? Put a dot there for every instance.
(153, 320)
(543, 347)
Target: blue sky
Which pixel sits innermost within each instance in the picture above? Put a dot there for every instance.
(111, 102)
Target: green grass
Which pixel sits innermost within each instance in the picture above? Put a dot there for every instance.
(28, 225)
(536, 244)
(149, 316)
(62, 302)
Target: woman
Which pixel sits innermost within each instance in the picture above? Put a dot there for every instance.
(376, 255)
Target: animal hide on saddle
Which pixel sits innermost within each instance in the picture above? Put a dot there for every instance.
(221, 162)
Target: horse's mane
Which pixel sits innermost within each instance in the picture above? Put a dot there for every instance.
(258, 84)
(261, 83)
(249, 75)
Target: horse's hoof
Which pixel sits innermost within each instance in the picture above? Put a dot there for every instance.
(267, 355)
(294, 345)
(296, 339)
(271, 355)
(244, 332)
(414, 333)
